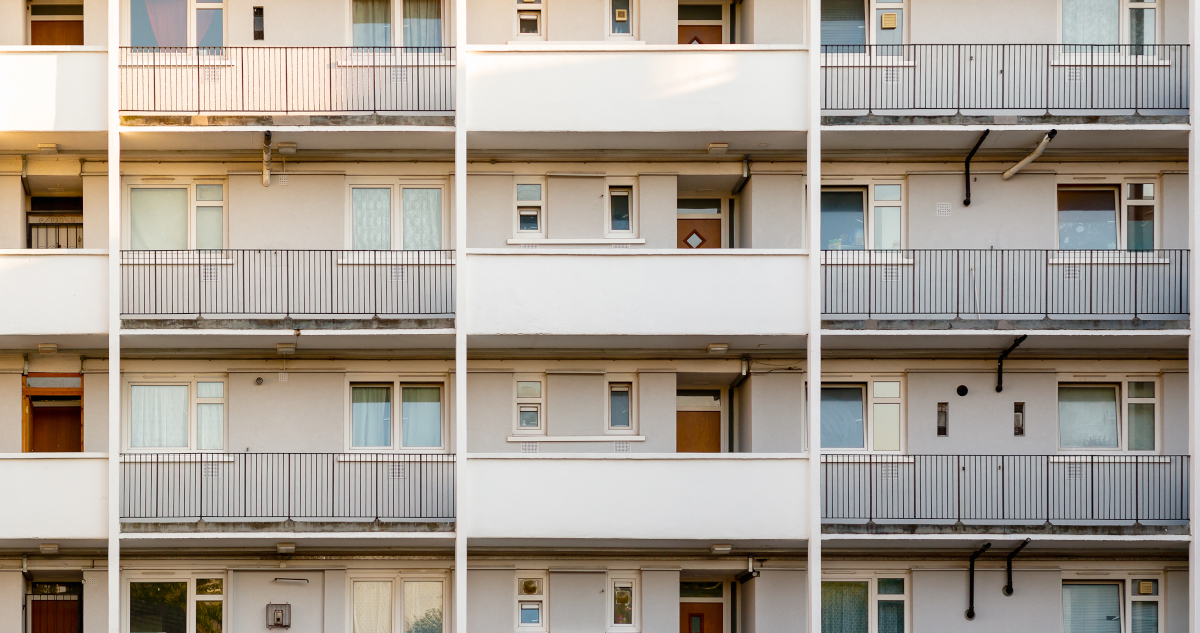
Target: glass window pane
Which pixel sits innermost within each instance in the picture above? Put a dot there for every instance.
(372, 22)
(1141, 29)
(529, 22)
(842, 220)
(885, 423)
(158, 23)
(372, 218)
(210, 389)
(842, 417)
(210, 227)
(1145, 617)
(372, 607)
(1141, 227)
(623, 603)
(843, 22)
(620, 8)
(158, 416)
(371, 416)
(1144, 587)
(529, 219)
(422, 219)
(1087, 416)
(887, 193)
(1090, 21)
(891, 586)
(422, 416)
(700, 12)
(208, 616)
(618, 408)
(210, 426)
(885, 389)
(891, 616)
(1087, 219)
(209, 586)
(210, 28)
(422, 607)
(708, 398)
(1141, 426)
(528, 418)
(887, 228)
(531, 613)
(710, 206)
(1141, 389)
(529, 192)
(619, 210)
(54, 382)
(210, 193)
(422, 23)
(158, 219)
(1092, 608)
(1141, 191)
(844, 607)
(529, 389)
(706, 589)
(158, 607)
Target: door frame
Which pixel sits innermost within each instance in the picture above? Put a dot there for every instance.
(726, 588)
(724, 410)
(27, 406)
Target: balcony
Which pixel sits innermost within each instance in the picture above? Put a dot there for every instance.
(648, 496)
(61, 89)
(634, 294)
(949, 494)
(260, 288)
(329, 492)
(78, 483)
(1030, 83)
(1033, 288)
(307, 86)
(55, 291)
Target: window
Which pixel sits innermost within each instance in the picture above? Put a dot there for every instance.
(177, 218)
(622, 414)
(1108, 217)
(844, 24)
(1144, 605)
(384, 217)
(531, 18)
(372, 20)
(532, 601)
(259, 32)
(185, 416)
(531, 208)
(863, 416)
(1132, 22)
(1092, 607)
(1090, 415)
(1019, 419)
(168, 606)
(877, 603)
(55, 24)
(421, 600)
(846, 225)
(1140, 225)
(623, 605)
(423, 605)
(702, 222)
(943, 419)
(177, 23)
(620, 18)
(372, 606)
(703, 24)
(372, 425)
(620, 209)
(531, 405)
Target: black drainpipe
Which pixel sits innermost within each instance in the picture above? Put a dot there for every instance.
(1008, 589)
(971, 572)
(967, 201)
(1000, 361)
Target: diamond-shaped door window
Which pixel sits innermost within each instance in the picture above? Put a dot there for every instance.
(694, 240)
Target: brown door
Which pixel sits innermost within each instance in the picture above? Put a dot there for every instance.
(55, 614)
(56, 430)
(700, 617)
(704, 233)
(698, 431)
(65, 33)
(699, 34)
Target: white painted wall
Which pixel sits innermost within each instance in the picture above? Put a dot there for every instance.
(12, 600)
(939, 600)
(643, 292)
(61, 90)
(677, 497)
(95, 600)
(12, 208)
(642, 89)
(80, 509)
(774, 601)
(78, 304)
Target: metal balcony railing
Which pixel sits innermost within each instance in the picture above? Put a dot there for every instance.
(975, 78)
(976, 283)
(1004, 488)
(262, 282)
(287, 80)
(286, 486)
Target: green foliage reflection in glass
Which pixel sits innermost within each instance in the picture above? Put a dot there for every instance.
(158, 607)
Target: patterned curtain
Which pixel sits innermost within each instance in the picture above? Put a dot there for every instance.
(422, 219)
(372, 221)
(844, 607)
(1091, 21)
(372, 607)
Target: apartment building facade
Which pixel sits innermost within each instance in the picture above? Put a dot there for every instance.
(249, 249)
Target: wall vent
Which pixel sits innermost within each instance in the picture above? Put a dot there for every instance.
(620, 447)
(529, 447)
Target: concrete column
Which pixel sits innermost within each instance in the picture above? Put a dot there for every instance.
(114, 321)
(460, 320)
(813, 209)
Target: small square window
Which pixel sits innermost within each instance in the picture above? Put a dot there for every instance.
(530, 22)
(529, 219)
(531, 614)
(529, 417)
(1141, 191)
(529, 389)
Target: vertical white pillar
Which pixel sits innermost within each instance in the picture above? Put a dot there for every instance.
(460, 316)
(112, 103)
(813, 206)
(1193, 340)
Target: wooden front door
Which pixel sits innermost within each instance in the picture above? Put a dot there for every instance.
(701, 617)
(698, 431)
(55, 614)
(56, 429)
(699, 34)
(702, 233)
(56, 33)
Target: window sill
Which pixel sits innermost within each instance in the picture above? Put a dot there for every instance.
(574, 242)
(576, 438)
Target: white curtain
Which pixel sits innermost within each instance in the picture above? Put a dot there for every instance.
(372, 211)
(422, 416)
(158, 219)
(159, 416)
(1091, 21)
(422, 23)
(422, 219)
(1087, 416)
(210, 227)
(423, 607)
(210, 423)
(372, 607)
(371, 410)
(1094, 608)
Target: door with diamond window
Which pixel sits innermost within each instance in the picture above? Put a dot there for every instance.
(699, 233)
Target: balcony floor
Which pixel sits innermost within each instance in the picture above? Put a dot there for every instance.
(1003, 119)
(289, 323)
(1050, 324)
(302, 526)
(316, 120)
(1123, 529)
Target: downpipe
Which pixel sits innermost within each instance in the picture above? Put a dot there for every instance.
(971, 573)
(1008, 589)
(267, 158)
(1000, 361)
(1037, 151)
(967, 164)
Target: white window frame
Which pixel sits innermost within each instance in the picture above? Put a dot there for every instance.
(520, 404)
(1127, 580)
(192, 5)
(726, 201)
(396, 187)
(723, 22)
(632, 35)
(1123, 23)
(612, 381)
(540, 205)
(621, 183)
(397, 383)
(632, 577)
(858, 184)
(190, 578)
(872, 7)
(397, 23)
(723, 408)
(872, 579)
(1121, 382)
(175, 380)
(530, 6)
(176, 182)
(867, 383)
(1122, 183)
(397, 578)
(544, 598)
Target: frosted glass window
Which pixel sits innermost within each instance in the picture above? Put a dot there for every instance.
(885, 424)
(210, 193)
(1141, 426)
(159, 416)
(210, 390)
(372, 22)
(1090, 21)
(422, 219)
(844, 607)
(529, 389)
(210, 426)
(422, 607)
(887, 228)
(843, 225)
(158, 219)
(885, 389)
(1087, 416)
(210, 227)
(372, 607)
(372, 218)
(422, 416)
(529, 192)
(887, 193)
(371, 416)
(842, 417)
(1092, 608)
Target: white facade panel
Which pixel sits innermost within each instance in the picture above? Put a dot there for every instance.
(59, 89)
(71, 291)
(79, 508)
